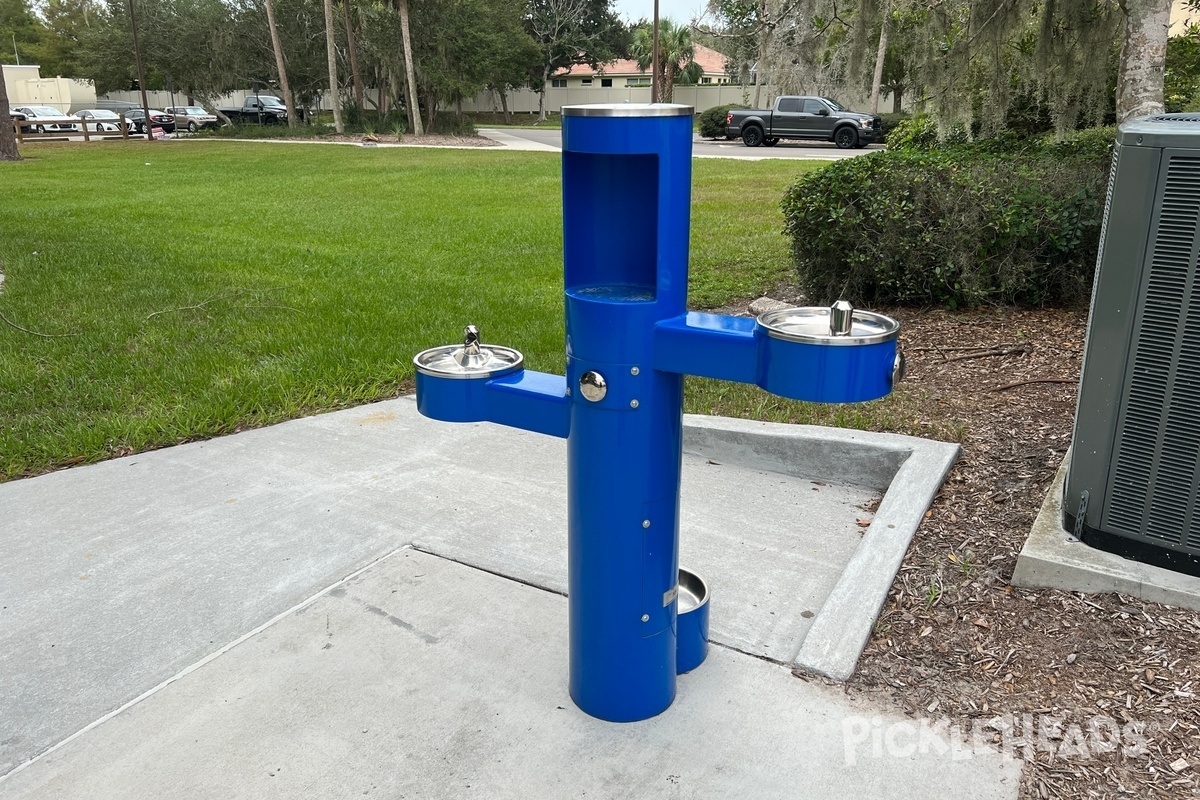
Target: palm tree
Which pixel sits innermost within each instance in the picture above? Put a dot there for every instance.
(676, 55)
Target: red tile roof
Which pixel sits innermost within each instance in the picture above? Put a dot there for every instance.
(712, 62)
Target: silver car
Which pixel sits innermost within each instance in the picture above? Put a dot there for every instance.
(98, 119)
(37, 116)
(193, 118)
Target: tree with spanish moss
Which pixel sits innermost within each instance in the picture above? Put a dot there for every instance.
(970, 58)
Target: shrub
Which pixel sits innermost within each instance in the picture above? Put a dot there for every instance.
(712, 121)
(1091, 143)
(447, 123)
(916, 133)
(888, 122)
(961, 225)
(352, 115)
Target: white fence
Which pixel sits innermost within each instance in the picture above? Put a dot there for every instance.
(525, 101)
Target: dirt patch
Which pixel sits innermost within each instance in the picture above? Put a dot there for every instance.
(414, 141)
(956, 641)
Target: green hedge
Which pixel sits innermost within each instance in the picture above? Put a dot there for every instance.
(447, 123)
(712, 121)
(889, 121)
(998, 221)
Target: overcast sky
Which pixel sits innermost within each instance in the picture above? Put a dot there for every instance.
(680, 11)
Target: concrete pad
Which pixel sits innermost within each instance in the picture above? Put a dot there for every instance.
(908, 469)
(115, 576)
(771, 516)
(425, 678)
(770, 546)
(1053, 558)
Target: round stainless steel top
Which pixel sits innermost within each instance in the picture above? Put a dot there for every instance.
(629, 110)
(810, 325)
(471, 359)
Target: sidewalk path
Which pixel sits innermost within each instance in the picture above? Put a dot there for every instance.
(516, 142)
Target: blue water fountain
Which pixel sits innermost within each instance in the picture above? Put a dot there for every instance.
(637, 619)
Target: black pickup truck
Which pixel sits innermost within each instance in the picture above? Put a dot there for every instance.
(263, 109)
(803, 118)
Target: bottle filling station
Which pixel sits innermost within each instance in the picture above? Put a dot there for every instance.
(636, 619)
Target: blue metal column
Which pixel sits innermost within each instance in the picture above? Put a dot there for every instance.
(626, 207)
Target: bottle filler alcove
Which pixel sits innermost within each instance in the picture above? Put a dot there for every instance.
(636, 619)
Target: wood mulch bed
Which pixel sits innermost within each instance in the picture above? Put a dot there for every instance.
(956, 641)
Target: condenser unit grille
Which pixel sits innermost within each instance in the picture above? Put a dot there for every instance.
(1153, 480)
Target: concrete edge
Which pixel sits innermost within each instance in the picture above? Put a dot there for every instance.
(840, 631)
(1052, 558)
(836, 455)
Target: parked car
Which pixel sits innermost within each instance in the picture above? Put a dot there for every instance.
(795, 117)
(158, 119)
(193, 118)
(39, 114)
(263, 109)
(98, 119)
(20, 118)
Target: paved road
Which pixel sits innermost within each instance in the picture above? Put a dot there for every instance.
(551, 139)
(707, 148)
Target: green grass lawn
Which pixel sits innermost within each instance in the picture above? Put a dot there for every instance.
(189, 289)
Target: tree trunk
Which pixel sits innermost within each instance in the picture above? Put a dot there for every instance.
(331, 56)
(542, 93)
(1143, 58)
(430, 110)
(8, 134)
(877, 78)
(897, 96)
(288, 102)
(360, 93)
(410, 73)
(764, 35)
(504, 105)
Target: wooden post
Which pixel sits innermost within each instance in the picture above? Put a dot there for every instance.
(86, 138)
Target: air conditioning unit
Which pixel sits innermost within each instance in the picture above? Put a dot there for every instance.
(1133, 482)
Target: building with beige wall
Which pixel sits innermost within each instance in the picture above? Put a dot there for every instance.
(1182, 16)
(624, 73)
(25, 86)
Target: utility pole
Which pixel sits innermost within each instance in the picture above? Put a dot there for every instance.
(654, 87)
(137, 54)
